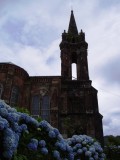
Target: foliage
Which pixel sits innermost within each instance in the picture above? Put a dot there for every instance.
(112, 152)
(112, 147)
(23, 110)
(112, 140)
(24, 138)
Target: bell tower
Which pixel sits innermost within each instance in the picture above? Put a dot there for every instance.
(78, 104)
(74, 50)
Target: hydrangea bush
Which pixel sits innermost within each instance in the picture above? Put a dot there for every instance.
(23, 137)
(112, 152)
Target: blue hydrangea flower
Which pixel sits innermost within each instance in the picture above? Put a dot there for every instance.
(69, 148)
(88, 153)
(95, 156)
(79, 139)
(13, 117)
(56, 154)
(74, 148)
(79, 151)
(84, 143)
(15, 126)
(23, 116)
(42, 143)
(78, 145)
(84, 149)
(3, 123)
(3, 112)
(62, 146)
(91, 158)
(71, 156)
(32, 121)
(92, 149)
(73, 139)
(32, 146)
(91, 140)
(19, 129)
(1, 104)
(44, 124)
(10, 141)
(34, 140)
(69, 141)
(11, 110)
(52, 134)
(56, 131)
(23, 127)
(60, 137)
(44, 151)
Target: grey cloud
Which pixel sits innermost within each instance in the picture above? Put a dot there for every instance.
(111, 125)
(116, 114)
(112, 130)
(18, 30)
(111, 71)
(12, 30)
(108, 3)
(107, 121)
(50, 60)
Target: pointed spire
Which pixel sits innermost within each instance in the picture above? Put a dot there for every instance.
(72, 25)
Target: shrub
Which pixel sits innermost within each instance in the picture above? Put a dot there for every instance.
(24, 138)
(112, 152)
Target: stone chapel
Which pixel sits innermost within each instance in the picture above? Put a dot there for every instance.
(70, 105)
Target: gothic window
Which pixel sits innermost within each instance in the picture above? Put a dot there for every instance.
(14, 96)
(41, 106)
(45, 108)
(35, 105)
(1, 90)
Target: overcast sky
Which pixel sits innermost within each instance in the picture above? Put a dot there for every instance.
(30, 34)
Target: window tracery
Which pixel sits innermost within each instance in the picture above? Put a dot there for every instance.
(14, 96)
(1, 90)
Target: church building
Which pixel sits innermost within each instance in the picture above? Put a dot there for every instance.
(70, 105)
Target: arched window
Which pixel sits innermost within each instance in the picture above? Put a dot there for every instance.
(1, 90)
(35, 110)
(41, 107)
(45, 108)
(74, 71)
(14, 96)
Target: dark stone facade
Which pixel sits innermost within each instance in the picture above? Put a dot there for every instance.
(70, 105)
